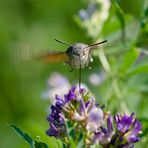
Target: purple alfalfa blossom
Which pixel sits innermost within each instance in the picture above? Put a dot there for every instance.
(97, 78)
(128, 129)
(56, 120)
(122, 132)
(71, 95)
(123, 122)
(56, 84)
(132, 136)
(129, 126)
(87, 14)
(77, 106)
(77, 110)
(95, 119)
(104, 135)
(59, 101)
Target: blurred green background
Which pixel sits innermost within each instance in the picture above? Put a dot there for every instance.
(120, 66)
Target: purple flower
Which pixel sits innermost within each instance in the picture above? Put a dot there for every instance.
(53, 131)
(128, 125)
(132, 136)
(56, 121)
(56, 84)
(104, 135)
(77, 112)
(95, 119)
(87, 14)
(71, 95)
(128, 130)
(59, 101)
(56, 117)
(123, 122)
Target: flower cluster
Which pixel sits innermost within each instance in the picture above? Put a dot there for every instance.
(93, 17)
(78, 117)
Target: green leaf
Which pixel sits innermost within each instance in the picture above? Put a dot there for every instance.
(40, 145)
(144, 121)
(132, 7)
(81, 140)
(142, 68)
(24, 135)
(95, 146)
(128, 59)
(120, 16)
(28, 139)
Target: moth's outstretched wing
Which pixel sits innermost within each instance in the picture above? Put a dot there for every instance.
(54, 57)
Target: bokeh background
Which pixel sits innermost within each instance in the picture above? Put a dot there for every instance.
(118, 77)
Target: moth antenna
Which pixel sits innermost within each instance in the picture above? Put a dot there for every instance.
(92, 45)
(60, 41)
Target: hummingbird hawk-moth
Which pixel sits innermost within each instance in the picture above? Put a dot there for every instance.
(77, 55)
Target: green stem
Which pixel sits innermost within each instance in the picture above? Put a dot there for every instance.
(119, 95)
(114, 82)
(103, 60)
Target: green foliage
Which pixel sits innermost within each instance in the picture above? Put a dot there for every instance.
(76, 139)
(28, 139)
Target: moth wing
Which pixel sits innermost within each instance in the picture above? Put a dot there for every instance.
(54, 57)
